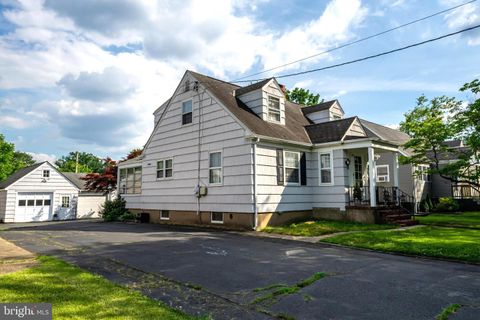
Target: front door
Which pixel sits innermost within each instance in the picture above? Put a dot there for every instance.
(357, 171)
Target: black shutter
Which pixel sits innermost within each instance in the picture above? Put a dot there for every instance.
(280, 177)
(303, 169)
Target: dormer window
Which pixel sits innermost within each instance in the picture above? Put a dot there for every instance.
(187, 112)
(273, 109)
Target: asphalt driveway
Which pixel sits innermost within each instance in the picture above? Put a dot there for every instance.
(217, 273)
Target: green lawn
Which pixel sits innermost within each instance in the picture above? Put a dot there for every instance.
(465, 219)
(453, 243)
(77, 294)
(320, 227)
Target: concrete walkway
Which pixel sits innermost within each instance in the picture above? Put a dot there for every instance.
(14, 258)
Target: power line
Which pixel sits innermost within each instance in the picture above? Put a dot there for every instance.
(356, 41)
(369, 57)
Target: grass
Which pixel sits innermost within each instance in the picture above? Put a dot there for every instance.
(448, 311)
(282, 290)
(465, 220)
(441, 242)
(314, 228)
(77, 294)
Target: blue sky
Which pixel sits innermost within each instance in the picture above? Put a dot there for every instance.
(88, 75)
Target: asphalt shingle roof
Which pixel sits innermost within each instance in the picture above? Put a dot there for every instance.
(318, 107)
(329, 131)
(19, 174)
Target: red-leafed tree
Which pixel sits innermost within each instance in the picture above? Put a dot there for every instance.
(107, 180)
(103, 182)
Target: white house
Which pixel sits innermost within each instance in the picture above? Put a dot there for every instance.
(41, 193)
(246, 157)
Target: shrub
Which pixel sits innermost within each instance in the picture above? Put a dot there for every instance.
(447, 205)
(113, 210)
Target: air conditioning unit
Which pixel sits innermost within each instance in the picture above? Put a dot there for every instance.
(382, 179)
(201, 191)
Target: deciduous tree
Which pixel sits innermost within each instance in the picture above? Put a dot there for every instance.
(302, 96)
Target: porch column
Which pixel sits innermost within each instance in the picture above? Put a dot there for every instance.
(395, 170)
(372, 179)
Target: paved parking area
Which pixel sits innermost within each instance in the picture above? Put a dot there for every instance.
(215, 272)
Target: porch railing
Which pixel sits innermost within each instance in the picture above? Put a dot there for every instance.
(465, 192)
(385, 196)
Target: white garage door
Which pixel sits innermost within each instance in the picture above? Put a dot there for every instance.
(33, 207)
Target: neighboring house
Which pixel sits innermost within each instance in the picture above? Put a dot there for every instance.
(41, 193)
(442, 187)
(247, 157)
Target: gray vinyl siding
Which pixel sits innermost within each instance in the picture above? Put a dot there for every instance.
(3, 204)
(274, 198)
(172, 140)
(56, 184)
(254, 100)
(320, 116)
(386, 158)
(335, 110)
(333, 196)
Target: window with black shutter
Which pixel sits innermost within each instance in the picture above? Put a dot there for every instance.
(303, 169)
(280, 173)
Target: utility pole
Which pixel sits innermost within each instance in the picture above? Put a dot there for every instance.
(76, 164)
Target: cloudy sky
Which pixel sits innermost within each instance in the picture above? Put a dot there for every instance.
(87, 75)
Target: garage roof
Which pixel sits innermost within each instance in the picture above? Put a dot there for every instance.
(19, 174)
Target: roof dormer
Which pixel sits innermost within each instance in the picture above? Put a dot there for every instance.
(266, 99)
(325, 111)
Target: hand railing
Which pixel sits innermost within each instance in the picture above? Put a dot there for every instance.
(385, 196)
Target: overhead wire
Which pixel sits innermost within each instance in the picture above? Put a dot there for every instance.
(356, 41)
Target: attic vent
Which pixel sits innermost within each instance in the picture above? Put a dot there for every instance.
(187, 85)
(195, 86)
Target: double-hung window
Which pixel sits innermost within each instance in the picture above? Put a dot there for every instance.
(383, 173)
(164, 169)
(273, 109)
(215, 168)
(292, 167)
(65, 202)
(424, 175)
(326, 168)
(187, 112)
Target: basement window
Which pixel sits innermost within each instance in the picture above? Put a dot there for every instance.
(216, 217)
(165, 215)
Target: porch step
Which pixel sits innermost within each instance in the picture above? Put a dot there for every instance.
(406, 222)
(397, 216)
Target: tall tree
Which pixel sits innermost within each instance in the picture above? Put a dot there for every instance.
(7, 152)
(87, 163)
(302, 96)
(22, 159)
(432, 122)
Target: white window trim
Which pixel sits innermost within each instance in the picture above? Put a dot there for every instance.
(164, 218)
(332, 173)
(43, 173)
(182, 113)
(69, 201)
(279, 110)
(383, 175)
(119, 180)
(221, 168)
(164, 169)
(216, 221)
(285, 182)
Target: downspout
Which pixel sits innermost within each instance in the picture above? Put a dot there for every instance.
(255, 207)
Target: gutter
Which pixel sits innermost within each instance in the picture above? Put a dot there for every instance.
(257, 138)
(255, 204)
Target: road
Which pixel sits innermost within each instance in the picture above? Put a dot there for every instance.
(202, 271)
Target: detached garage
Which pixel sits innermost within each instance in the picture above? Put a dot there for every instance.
(42, 193)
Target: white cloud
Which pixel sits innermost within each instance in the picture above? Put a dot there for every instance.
(13, 122)
(464, 17)
(40, 157)
(74, 52)
(395, 126)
